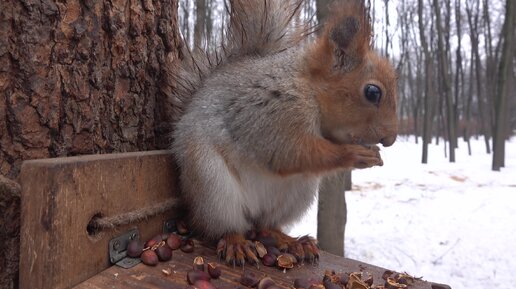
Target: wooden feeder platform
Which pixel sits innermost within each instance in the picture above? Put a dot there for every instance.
(59, 249)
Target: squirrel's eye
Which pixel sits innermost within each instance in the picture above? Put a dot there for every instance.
(373, 93)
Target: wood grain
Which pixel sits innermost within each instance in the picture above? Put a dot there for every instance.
(59, 198)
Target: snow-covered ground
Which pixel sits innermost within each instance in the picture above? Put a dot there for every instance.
(452, 223)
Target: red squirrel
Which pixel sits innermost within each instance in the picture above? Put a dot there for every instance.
(273, 113)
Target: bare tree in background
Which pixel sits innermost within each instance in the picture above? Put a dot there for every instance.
(504, 71)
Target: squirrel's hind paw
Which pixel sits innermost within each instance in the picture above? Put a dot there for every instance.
(236, 250)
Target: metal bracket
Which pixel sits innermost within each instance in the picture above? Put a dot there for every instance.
(118, 247)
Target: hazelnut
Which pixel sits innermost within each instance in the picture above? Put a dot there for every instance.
(182, 229)
(174, 241)
(265, 283)
(187, 246)
(273, 250)
(249, 279)
(214, 270)
(164, 253)
(149, 257)
(134, 249)
(198, 263)
(195, 275)
(202, 284)
(269, 260)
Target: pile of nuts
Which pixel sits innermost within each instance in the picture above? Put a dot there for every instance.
(200, 276)
(160, 247)
(355, 280)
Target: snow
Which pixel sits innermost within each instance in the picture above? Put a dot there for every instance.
(451, 223)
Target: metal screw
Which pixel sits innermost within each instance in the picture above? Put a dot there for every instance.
(116, 245)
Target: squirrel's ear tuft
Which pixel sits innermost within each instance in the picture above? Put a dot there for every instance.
(349, 30)
(342, 34)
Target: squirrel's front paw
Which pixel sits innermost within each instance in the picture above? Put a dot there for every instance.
(236, 250)
(364, 156)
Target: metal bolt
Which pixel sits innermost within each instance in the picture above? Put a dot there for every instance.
(116, 245)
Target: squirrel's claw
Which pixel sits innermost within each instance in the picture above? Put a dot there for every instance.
(236, 250)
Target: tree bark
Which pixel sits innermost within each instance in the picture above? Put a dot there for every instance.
(83, 77)
(332, 212)
(501, 117)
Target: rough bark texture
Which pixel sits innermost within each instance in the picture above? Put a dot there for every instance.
(332, 210)
(81, 77)
(9, 232)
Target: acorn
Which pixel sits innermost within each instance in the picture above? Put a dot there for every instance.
(269, 260)
(195, 275)
(249, 279)
(150, 258)
(174, 241)
(392, 284)
(134, 249)
(187, 246)
(164, 253)
(198, 263)
(214, 270)
(266, 283)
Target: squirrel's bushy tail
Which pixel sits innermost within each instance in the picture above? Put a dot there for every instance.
(255, 28)
(263, 27)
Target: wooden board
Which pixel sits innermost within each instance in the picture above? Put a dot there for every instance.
(59, 198)
(147, 277)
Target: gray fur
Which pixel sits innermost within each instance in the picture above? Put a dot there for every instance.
(241, 108)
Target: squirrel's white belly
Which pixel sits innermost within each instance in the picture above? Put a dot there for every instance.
(274, 201)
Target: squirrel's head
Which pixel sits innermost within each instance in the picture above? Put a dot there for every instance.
(354, 86)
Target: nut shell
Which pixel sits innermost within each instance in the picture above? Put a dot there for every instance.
(214, 270)
(269, 260)
(187, 246)
(249, 279)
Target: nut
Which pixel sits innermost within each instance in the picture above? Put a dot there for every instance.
(198, 263)
(266, 282)
(195, 275)
(134, 249)
(286, 261)
(260, 249)
(164, 253)
(392, 284)
(174, 241)
(202, 284)
(214, 270)
(273, 250)
(269, 260)
(150, 258)
(187, 246)
(182, 229)
(249, 279)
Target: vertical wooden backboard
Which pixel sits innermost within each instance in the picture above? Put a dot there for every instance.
(59, 198)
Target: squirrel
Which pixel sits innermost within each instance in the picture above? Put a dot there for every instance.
(271, 114)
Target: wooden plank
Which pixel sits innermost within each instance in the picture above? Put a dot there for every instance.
(147, 277)
(59, 198)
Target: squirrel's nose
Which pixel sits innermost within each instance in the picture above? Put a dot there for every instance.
(388, 141)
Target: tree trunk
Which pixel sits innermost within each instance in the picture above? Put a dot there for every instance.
(332, 213)
(83, 77)
(428, 105)
(501, 119)
(331, 216)
(446, 85)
